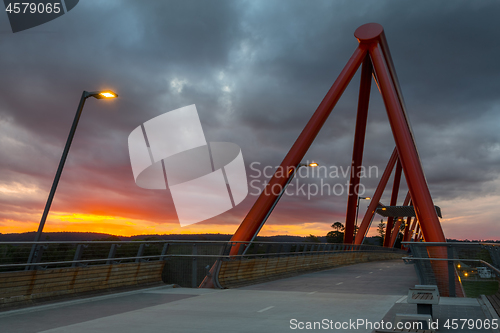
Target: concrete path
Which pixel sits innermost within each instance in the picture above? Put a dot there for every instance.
(363, 291)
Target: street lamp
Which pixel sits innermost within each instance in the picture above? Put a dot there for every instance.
(295, 170)
(106, 94)
(357, 211)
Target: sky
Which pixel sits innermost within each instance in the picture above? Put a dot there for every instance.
(256, 71)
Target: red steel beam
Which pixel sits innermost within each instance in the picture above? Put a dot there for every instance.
(407, 230)
(410, 226)
(365, 224)
(431, 230)
(357, 150)
(411, 231)
(255, 217)
(417, 232)
(394, 200)
(395, 232)
(422, 201)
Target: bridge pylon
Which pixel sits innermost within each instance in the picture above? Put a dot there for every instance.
(374, 56)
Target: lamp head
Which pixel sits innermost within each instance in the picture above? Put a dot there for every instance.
(105, 94)
(312, 165)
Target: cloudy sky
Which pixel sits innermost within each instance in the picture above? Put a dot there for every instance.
(256, 70)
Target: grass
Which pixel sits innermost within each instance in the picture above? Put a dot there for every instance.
(475, 288)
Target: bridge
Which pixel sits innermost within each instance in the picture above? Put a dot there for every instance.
(272, 287)
(245, 285)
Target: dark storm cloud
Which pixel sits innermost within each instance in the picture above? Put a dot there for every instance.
(256, 71)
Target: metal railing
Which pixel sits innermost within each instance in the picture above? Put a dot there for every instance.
(186, 262)
(471, 268)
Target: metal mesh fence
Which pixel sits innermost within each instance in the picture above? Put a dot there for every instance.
(458, 269)
(186, 262)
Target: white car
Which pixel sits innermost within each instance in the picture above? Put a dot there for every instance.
(484, 272)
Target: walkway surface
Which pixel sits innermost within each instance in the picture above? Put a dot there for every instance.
(369, 292)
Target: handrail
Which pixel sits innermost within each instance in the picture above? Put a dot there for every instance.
(449, 243)
(442, 259)
(180, 242)
(162, 256)
(285, 249)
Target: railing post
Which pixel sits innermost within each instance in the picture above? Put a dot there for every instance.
(78, 254)
(228, 248)
(451, 272)
(140, 252)
(164, 252)
(111, 254)
(37, 256)
(194, 270)
(242, 248)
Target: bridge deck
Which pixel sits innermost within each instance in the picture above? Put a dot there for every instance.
(364, 291)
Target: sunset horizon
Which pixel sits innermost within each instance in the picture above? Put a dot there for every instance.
(255, 75)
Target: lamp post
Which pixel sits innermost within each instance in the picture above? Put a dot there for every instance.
(357, 211)
(96, 94)
(311, 165)
(295, 170)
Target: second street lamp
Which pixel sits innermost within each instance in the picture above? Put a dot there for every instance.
(106, 94)
(357, 211)
(295, 170)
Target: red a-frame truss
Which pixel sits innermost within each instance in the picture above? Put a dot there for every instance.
(374, 56)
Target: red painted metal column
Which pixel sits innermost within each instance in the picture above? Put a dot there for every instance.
(357, 150)
(395, 232)
(430, 226)
(411, 231)
(407, 228)
(408, 155)
(365, 224)
(394, 200)
(417, 232)
(255, 217)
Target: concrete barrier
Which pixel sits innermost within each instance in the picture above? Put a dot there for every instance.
(25, 287)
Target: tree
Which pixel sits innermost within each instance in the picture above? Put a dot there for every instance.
(381, 228)
(336, 236)
(338, 226)
(381, 232)
(313, 239)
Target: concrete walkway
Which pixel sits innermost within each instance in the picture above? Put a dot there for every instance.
(364, 291)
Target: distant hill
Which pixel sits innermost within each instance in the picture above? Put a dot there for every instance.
(53, 236)
(91, 236)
